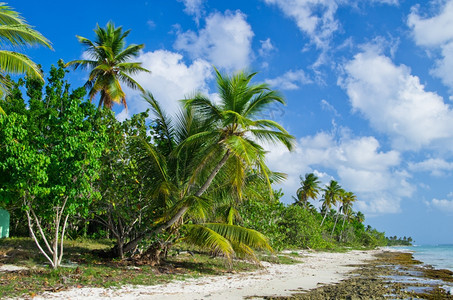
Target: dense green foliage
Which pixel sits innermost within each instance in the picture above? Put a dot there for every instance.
(293, 226)
(50, 157)
(398, 241)
(155, 180)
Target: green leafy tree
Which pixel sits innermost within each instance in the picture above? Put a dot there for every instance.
(126, 190)
(16, 33)
(110, 65)
(50, 159)
(309, 189)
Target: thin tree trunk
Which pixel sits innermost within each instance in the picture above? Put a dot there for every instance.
(325, 215)
(30, 227)
(342, 228)
(62, 238)
(334, 225)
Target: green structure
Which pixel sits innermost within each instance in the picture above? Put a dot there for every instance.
(4, 223)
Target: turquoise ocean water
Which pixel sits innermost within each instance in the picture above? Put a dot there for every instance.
(439, 256)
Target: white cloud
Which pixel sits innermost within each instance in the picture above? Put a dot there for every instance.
(359, 165)
(225, 41)
(390, 2)
(170, 80)
(436, 33)
(442, 204)
(266, 47)
(437, 166)
(151, 24)
(329, 107)
(291, 80)
(432, 31)
(315, 18)
(193, 8)
(396, 103)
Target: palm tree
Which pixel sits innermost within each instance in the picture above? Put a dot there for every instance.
(110, 64)
(347, 200)
(309, 189)
(172, 169)
(360, 217)
(235, 130)
(332, 193)
(340, 200)
(15, 31)
(228, 139)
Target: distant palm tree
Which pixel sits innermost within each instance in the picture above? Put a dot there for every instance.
(332, 193)
(309, 189)
(360, 217)
(17, 33)
(347, 200)
(340, 199)
(110, 64)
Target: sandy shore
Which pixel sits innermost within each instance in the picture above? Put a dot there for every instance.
(316, 269)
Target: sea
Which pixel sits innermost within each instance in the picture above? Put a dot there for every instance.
(438, 256)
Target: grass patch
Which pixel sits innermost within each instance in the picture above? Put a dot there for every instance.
(87, 270)
(280, 259)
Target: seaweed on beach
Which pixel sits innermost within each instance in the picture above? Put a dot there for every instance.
(392, 275)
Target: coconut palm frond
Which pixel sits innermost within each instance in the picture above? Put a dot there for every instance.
(238, 234)
(208, 239)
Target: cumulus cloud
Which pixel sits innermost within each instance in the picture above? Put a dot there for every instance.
(266, 47)
(436, 166)
(436, 33)
(193, 8)
(225, 41)
(356, 162)
(315, 18)
(396, 103)
(442, 204)
(291, 80)
(170, 80)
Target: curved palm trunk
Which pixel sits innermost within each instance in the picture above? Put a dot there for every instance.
(325, 215)
(334, 225)
(132, 244)
(342, 228)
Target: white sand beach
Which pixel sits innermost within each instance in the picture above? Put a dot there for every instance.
(315, 269)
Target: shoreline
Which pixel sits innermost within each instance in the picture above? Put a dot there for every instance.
(274, 280)
(357, 274)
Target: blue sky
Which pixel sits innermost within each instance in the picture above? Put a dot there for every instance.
(368, 86)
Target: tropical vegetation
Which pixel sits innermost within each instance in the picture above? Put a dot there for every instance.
(109, 64)
(154, 182)
(15, 33)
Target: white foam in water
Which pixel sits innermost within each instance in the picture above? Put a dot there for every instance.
(438, 256)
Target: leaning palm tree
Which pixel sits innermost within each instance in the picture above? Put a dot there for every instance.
(110, 64)
(172, 186)
(309, 189)
(16, 33)
(332, 193)
(346, 208)
(229, 139)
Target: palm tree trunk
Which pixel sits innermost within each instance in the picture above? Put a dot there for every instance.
(325, 215)
(342, 227)
(334, 225)
(132, 244)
